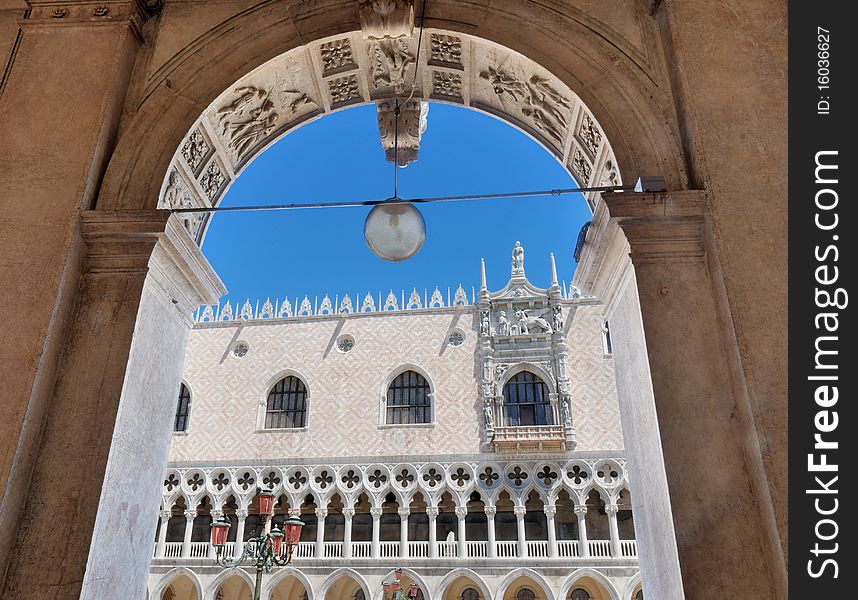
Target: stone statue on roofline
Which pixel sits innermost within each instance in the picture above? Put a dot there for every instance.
(518, 258)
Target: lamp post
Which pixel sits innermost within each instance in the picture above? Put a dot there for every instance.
(393, 588)
(264, 552)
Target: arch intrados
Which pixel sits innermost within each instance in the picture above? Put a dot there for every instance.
(467, 574)
(265, 91)
(174, 575)
(283, 574)
(203, 69)
(343, 573)
(588, 573)
(537, 579)
(632, 587)
(225, 576)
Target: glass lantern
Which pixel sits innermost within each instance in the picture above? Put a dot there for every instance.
(219, 529)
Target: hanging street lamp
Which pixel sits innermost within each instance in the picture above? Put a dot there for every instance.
(274, 547)
(393, 590)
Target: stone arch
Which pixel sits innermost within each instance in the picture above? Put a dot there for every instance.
(172, 576)
(524, 574)
(523, 366)
(343, 573)
(226, 575)
(466, 574)
(628, 99)
(282, 574)
(592, 577)
(634, 584)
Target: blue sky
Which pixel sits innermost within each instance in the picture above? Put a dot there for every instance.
(339, 157)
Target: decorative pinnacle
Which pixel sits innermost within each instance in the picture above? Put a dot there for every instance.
(483, 274)
(553, 272)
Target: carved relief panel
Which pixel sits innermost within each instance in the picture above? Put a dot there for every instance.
(505, 83)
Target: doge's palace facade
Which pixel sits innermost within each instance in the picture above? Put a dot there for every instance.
(470, 437)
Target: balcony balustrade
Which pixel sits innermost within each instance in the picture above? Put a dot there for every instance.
(418, 550)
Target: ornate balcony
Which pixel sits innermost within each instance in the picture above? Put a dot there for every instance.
(530, 438)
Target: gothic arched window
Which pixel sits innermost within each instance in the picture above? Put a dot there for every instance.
(639, 595)
(287, 404)
(183, 409)
(579, 594)
(409, 400)
(470, 594)
(526, 401)
(525, 594)
(359, 594)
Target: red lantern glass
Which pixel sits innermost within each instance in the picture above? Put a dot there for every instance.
(219, 529)
(276, 540)
(412, 593)
(293, 527)
(266, 503)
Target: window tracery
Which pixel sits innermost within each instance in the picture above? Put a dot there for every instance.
(408, 400)
(526, 401)
(287, 404)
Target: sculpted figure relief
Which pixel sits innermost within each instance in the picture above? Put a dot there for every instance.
(536, 99)
(488, 411)
(558, 318)
(248, 118)
(389, 60)
(503, 323)
(485, 324)
(527, 323)
(564, 412)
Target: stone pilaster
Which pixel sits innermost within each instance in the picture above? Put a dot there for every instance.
(721, 532)
(62, 94)
(99, 469)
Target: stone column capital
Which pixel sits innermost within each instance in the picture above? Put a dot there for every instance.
(191, 514)
(216, 514)
(166, 514)
(150, 242)
(461, 511)
(294, 512)
(241, 514)
(550, 510)
(321, 513)
(580, 510)
(611, 509)
(490, 511)
(348, 513)
(519, 511)
(432, 512)
(376, 512)
(404, 511)
(660, 225)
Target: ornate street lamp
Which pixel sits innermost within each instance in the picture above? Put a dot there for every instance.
(264, 552)
(393, 588)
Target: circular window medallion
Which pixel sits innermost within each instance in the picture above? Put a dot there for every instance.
(345, 343)
(239, 349)
(456, 338)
